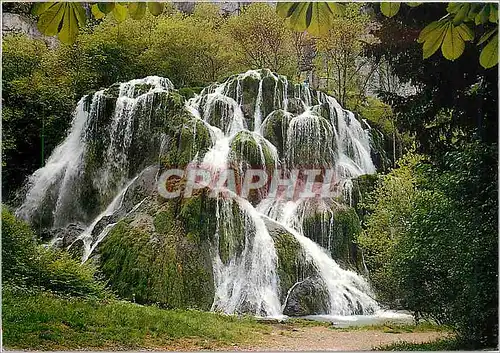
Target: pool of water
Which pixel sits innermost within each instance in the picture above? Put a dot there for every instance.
(380, 317)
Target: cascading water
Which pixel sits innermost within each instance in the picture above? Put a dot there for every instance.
(89, 161)
(253, 120)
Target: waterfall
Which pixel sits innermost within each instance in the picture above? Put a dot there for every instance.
(94, 160)
(254, 120)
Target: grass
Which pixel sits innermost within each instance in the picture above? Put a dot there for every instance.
(391, 327)
(445, 344)
(47, 322)
(44, 321)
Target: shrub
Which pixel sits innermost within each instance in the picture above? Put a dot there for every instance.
(28, 264)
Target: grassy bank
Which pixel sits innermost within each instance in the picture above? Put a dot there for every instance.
(44, 321)
(447, 344)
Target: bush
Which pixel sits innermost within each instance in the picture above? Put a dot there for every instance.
(447, 263)
(28, 264)
(390, 207)
(433, 244)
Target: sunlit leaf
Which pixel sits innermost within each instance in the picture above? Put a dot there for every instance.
(41, 7)
(453, 45)
(489, 54)
(98, 14)
(285, 9)
(61, 18)
(453, 7)
(156, 8)
(434, 39)
(298, 19)
(321, 19)
(106, 7)
(413, 4)
(474, 10)
(50, 19)
(137, 10)
(390, 9)
(336, 8)
(487, 36)
(120, 13)
(465, 32)
(315, 17)
(427, 30)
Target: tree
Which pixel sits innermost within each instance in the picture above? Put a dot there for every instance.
(448, 33)
(340, 54)
(262, 39)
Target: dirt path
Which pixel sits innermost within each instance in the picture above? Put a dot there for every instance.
(320, 338)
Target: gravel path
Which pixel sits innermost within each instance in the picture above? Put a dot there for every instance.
(324, 339)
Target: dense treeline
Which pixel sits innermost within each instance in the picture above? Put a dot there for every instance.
(432, 235)
(430, 225)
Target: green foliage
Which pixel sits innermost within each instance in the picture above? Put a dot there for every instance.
(389, 9)
(315, 17)
(47, 322)
(27, 264)
(59, 18)
(262, 39)
(450, 252)
(340, 56)
(432, 238)
(37, 99)
(66, 19)
(449, 33)
(390, 207)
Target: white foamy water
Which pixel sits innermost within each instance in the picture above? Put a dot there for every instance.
(248, 281)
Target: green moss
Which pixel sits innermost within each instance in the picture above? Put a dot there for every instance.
(250, 149)
(292, 266)
(163, 221)
(165, 266)
(275, 128)
(232, 233)
(197, 214)
(186, 92)
(336, 231)
(191, 137)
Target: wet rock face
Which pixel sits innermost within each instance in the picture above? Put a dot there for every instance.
(152, 256)
(308, 297)
(67, 235)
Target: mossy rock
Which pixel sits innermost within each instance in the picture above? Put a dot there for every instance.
(250, 149)
(221, 111)
(308, 297)
(275, 127)
(295, 106)
(324, 110)
(381, 150)
(310, 142)
(151, 259)
(337, 231)
(141, 89)
(292, 266)
(191, 138)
